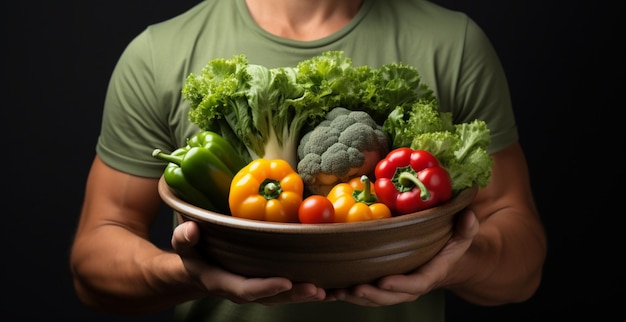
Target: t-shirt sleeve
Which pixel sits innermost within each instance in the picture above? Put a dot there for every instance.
(483, 89)
(132, 123)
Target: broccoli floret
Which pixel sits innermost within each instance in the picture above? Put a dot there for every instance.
(346, 144)
(339, 159)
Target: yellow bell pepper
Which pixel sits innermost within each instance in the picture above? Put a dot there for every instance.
(268, 190)
(356, 200)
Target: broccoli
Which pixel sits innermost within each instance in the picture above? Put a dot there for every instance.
(346, 144)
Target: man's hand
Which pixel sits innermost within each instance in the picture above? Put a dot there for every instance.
(396, 289)
(216, 281)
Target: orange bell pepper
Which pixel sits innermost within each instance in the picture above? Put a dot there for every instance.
(268, 190)
(356, 200)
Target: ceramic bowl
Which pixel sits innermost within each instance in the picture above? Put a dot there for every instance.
(333, 255)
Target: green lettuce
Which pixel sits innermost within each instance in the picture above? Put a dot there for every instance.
(264, 111)
(460, 148)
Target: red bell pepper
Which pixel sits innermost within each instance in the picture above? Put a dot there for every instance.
(410, 180)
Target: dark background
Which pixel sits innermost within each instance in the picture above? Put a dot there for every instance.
(566, 72)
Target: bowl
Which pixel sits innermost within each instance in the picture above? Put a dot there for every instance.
(335, 255)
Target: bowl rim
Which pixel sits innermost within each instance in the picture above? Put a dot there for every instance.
(192, 212)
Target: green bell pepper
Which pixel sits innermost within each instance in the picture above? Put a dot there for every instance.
(220, 147)
(207, 164)
(175, 178)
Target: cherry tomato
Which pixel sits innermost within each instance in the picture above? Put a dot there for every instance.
(316, 209)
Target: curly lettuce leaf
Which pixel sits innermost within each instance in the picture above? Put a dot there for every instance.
(460, 148)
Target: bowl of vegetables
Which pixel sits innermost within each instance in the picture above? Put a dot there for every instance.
(332, 123)
(331, 255)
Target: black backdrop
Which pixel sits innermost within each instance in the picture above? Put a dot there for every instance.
(566, 71)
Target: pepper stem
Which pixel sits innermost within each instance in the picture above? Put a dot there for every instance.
(365, 195)
(407, 178)
(157, 153)
(270, 189)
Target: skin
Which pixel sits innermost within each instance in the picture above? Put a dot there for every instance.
(495, 256)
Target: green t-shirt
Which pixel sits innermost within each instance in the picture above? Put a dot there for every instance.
(144, 108)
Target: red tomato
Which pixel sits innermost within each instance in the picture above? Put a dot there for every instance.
(316, 209)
